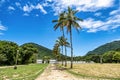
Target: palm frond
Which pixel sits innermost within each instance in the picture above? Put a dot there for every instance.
(57, 25)
(54, 21)
(78, 19)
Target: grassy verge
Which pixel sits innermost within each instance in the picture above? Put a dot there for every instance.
(26, 72)
(96, 71)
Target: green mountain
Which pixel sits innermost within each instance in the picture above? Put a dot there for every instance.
(43, 51)
(105, 48)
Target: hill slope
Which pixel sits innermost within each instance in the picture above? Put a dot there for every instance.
(106, 47)
(43, 51)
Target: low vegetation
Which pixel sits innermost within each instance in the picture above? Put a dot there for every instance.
(25, 72)
(97, 71)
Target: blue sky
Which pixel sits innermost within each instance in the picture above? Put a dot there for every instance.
(24, 21)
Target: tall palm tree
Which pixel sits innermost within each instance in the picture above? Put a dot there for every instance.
(60, 42)
(56, 50)
(71, 21)
(60, 23)
(66, 44)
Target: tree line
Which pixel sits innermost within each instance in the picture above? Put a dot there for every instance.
(107, 57)
(11, 53)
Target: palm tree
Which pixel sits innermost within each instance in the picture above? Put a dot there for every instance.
(71, 21)
(66, 44)
(60, 42)
(60, 23)
(56, 50)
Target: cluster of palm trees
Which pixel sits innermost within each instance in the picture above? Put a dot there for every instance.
(68, 20)
(61, 42)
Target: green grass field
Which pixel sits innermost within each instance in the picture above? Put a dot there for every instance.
(25, 72)
(97, 71)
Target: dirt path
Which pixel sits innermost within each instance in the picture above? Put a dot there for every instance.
(51, 73)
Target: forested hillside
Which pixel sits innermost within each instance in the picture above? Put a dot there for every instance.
(108, 53)
(42, 51)
(105, 48)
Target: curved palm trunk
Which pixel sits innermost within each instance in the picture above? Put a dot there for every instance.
(71, 66)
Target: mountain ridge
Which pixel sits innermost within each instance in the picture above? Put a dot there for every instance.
(42, 51)
(105, 47)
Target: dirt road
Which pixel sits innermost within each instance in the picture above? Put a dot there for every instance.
(51, 73)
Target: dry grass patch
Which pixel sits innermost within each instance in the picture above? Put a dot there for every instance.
(98, 70)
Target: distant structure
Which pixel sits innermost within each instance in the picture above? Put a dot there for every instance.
(39, 61)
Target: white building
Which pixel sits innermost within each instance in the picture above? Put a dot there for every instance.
(51, 61)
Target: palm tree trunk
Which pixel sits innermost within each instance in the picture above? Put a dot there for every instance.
(62, 56)
(71, 66)
(65, 57)
(65, 50)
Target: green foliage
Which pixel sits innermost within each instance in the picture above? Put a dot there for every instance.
(111, 56)
(42, 51)
(8, 52)
(46, 59)
(116, 57)
(107, 53)
(108, 56)
(28, 53)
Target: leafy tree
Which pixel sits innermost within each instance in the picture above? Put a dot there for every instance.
(95, 58)
(46, 59)
(2, 59)
(8, 50)
(108, 56)
(28, 53)
(116, 57)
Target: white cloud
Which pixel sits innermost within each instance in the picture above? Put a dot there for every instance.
(93, 25)
(1, 33)
(40, 8)
(115, 12)
(81, 5)
(11, 8)
(17, 4)
(25, 14)
(36, 15)
(98, 14)
(29, 8)
(2, 28)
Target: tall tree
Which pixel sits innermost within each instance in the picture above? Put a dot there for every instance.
(60, 23)
(65, 44)
(56, 51)
(71, 21)
(8, 49)
(28, 53)
(60, 42)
